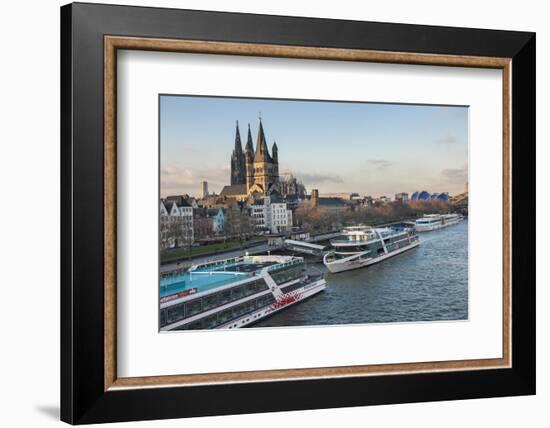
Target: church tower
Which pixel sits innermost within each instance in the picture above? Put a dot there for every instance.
(238, 167)
(249, 160)
(265, 169)
(275, 152)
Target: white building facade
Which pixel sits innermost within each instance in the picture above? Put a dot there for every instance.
(272, 217)
(176, 225)
(281, 217)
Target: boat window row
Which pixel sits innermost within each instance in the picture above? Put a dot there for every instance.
(192, 307)
(294, 261)
(430, 221)
(229, 314)
(293, 287)
(284, 275)
(356, 249)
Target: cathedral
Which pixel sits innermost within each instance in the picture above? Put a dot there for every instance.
(253, 171)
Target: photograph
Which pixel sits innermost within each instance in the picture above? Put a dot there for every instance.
(294, 213)
(268, 210)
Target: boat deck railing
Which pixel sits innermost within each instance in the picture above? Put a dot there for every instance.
(218, 272)
(353, 241)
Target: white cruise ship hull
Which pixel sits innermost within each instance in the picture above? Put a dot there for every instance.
(299, 295)
(436, 226)
(234, 293)
(356, 262)
(452, 222)
(428, 228)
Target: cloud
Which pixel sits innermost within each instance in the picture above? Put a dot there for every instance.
(176, 175)
(379, 164)
(178, 180)
(447, 140)
(455, 175)
(319, 178)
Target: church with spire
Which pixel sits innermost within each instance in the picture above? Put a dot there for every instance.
(238, 165)
(254, 171)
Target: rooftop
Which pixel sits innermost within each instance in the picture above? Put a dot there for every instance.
(235, 189)
(331, 202)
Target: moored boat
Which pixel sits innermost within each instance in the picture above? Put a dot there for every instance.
(451, 219)
(436, 221)
(234, 293)
(362, 246)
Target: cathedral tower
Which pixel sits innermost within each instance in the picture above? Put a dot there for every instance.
(238, 166)
(249, 160)
(275, 153)
(265, 168)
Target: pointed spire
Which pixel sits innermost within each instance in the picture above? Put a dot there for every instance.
(275, 152)
(238, 167)
(262, 152)
(238, 146)
(249, 145)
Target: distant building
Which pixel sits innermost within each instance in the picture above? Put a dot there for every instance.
(193, 202)
(218, 220)
(271, 216)
(238, 220)
(204, 188)
(327, 203)
(281, 217)
(422, 195)
(293, 201)
(176, 224)
(425, 196)
(203, 225)
(402, 197)
(174, 199)
(314, 199)
(210, 222)
(181, 198)
(291, 186)
(260, 213)
(333, 204)
(164, 228)
(237, 192)
(367, 201)
(460, 201)
(214, 201)
(381, 200)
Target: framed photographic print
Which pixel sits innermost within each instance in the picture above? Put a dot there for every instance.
(273, 213)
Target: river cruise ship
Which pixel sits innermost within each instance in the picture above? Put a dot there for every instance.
(236, 292)
(363, 246)
(436, 221)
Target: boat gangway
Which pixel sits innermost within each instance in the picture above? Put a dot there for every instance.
(305, 247)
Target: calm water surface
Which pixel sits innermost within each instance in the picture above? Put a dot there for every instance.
(427, 283)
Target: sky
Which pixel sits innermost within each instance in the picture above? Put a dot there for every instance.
(337, 147)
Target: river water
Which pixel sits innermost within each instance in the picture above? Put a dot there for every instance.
(428, 283)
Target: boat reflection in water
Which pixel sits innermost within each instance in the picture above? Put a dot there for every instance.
(363, 246)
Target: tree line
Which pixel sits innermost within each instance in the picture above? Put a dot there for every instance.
(318, 220)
